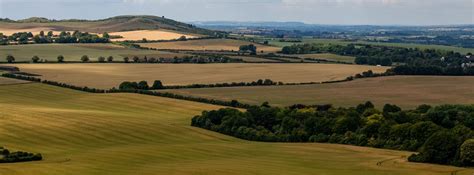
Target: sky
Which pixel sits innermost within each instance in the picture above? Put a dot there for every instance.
(343, 12)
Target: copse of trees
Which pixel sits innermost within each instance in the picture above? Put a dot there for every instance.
(441, 135)
(249, 48)
(19, 156)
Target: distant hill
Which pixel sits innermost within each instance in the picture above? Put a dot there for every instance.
(114, 24)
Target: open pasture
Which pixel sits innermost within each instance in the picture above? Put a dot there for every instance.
(82, 133)
(405, 91)
(111, 75)
(208, 44)
(74, 52)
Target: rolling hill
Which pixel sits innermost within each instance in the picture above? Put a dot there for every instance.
(113, 24)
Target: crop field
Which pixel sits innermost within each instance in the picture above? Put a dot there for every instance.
(149, 35)
(81, 133)
(208, 44)
(74, 52)
(405, 91)
(111, 75)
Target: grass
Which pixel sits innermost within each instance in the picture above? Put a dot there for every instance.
(74, 52)
(405, 91)
(405, 45)
(208, 44)
(81, 133)
(111, 75)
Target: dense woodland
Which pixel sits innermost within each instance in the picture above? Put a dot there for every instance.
(441, 134)
(410, 61)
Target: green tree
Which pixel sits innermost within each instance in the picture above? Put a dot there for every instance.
(157, 85)
(106, 35)
(467, 152)
(440, 148)
(35, 59)
(101, 59)
(10, 59)
(143, 85)
(110, 59)
(136, 59)
(85, 58)
(126, 59)
(60, 59)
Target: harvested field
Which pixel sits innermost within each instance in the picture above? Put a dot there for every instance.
(81, 133)
(208, 44)
(150, 35)
(405, 91)
(111, 75)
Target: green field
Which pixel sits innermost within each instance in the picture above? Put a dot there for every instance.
(276, 42)
(81, 133)
(405, 91)
(329, 57)
(74, 52)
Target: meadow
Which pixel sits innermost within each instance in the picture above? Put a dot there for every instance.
(405, 91)
(82, 133)
(208, 44)
(74, 52)
(111, 75)
(328, 56)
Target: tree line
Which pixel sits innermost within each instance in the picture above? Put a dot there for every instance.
(441, 135)
(63, 37)
(136, 59)
(18, 156)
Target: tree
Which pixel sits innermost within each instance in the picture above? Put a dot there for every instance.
(182, 38)
(10, 59)
(440, 148)
(60, 59)
(35, 59)
(143, 85)
(101, 59)
(50, 34)
(85, 58)
(41, 33)
(467, 153)
(136, 59)
(126, 59)
(110, 59)
(106, 35)
(157, 85)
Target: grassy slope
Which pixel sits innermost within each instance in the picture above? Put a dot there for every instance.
(408, 92)
(80, 133)
(114, 24)
(111, 75)
(74, 52)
